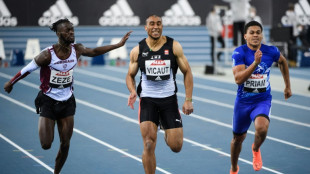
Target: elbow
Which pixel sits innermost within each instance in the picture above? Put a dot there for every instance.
(238, 81)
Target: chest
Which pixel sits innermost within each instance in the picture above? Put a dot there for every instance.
(267, 59)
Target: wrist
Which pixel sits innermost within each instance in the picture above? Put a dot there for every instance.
(255, 63)
(189, 99)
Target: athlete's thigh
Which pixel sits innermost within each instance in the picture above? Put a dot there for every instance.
(170, 116)
(174, 135)
(241, 118)
(148, 110)
(65, 127)
(46, 129)
(148, 131)
(262, 108)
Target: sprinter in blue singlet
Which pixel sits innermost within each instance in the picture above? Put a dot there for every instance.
(251, 68)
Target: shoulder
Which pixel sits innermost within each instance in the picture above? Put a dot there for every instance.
(177, 48)
(44, 58)
(134, 52)
(239, 50)
(78, 46)
(135, 49)
(175, 43)
(270, 49)
(143, 41)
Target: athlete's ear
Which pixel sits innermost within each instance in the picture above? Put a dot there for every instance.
(57, 33)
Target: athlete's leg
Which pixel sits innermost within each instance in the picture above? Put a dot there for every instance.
(241, 123)
(174, 138)
(235, 149)
(149, 134)
(46, 132)
(261, 128)
(65, 130)
(260, 115)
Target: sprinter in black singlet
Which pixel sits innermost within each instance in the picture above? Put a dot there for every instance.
(158, 58)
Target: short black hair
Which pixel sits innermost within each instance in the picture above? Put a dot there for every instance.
(54, 26)
(152, 15)
(252, 23)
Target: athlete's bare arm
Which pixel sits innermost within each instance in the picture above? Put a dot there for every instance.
(92, 52)
(188, 77)
(43, 59)
(130, 78)
(286, 76)
(242, 74)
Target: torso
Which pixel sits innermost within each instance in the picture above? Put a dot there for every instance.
(158, 69)
(57, 77)
(257, 86)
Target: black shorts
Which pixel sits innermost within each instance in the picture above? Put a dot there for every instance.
(53, 109)
(163, 110)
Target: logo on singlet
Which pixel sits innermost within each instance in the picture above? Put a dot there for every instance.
(119, 14)
(6, 18)
(144, 54)
(57, 11)
(181, 13)
(156, 57)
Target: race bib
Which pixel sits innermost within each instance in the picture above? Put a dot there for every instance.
(157, 69)
(60, 79)
(257, 83)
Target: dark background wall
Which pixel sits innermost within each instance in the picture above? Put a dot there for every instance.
(28, 12)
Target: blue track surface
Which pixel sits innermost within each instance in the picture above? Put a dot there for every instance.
(107, 137)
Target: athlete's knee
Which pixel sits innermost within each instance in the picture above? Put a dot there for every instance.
(176, 147)
(238, 138)
(65, 144)
(261, 126)
(175, 144)
(46, 146)
(261, 130)
(149, 145)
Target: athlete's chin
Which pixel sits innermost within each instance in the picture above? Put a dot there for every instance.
(155, 36)
(70, 41)
(255, 45)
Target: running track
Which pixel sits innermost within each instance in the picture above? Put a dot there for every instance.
(107, 137)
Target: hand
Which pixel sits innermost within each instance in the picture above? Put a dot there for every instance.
(8, 87)
(124, 39)
(132, 99)
(287, 93)
(258, 56)
(188, 107)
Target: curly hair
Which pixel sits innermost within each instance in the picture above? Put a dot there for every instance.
(54, 26)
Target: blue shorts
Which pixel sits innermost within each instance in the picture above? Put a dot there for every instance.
(245, 113)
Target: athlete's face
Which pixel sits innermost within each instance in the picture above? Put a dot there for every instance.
(65, 32)
(154, 27)
(253, 36)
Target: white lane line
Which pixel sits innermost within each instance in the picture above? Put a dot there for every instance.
(115, 79)
(136, 122)
(193, 115)
(225, 91)
(26, 153)
(83, 133)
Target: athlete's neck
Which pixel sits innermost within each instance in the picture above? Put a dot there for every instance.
(154, 43)
(64, 46)
(254, 47)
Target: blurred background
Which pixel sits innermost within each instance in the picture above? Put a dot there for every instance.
(208, 30)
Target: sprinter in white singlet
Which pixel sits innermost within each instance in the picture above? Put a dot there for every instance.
(55, 102)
